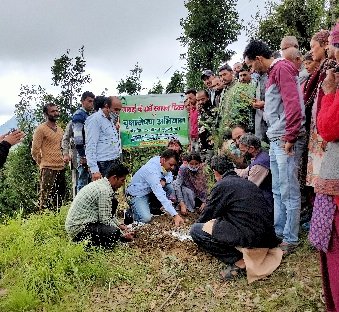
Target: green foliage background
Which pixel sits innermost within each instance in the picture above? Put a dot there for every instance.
(293, 18)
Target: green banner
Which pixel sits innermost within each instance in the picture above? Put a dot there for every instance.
(154, 119)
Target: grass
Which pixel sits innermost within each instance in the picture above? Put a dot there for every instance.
(41, 270)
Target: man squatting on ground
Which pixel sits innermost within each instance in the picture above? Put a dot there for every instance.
(146, 183)
(92, 213)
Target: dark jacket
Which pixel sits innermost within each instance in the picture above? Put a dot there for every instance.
(243, 217)
(78, 122)
(4, 150)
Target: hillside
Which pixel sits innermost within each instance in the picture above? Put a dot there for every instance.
(8, 125)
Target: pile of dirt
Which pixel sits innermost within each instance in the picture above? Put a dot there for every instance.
(161, 234)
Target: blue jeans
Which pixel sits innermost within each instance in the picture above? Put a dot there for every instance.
(84, 177)
(141, 208)
(286, 189)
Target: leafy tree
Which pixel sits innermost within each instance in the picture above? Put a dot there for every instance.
(19, 180)
(207, 31)
(132, 84)
(176, 84)
(26, 110)
(157, 88)
(332, 12)
(69, 74)
(298, 18)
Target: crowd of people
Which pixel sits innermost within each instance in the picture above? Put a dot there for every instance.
(268, 129)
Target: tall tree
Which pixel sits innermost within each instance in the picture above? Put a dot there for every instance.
(157, 88)
(207, 31)
(132, 84)
(69, 74)
(177, 83)
(289, 17)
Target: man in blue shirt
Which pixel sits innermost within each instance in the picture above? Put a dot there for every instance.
(78, 122)
(102, 139)
(146, 182)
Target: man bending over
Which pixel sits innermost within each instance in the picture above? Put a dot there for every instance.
(92, 213)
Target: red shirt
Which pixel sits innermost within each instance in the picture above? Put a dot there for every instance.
(194, 114)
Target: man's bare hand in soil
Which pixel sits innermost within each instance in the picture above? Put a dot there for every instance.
(178, 220)
(127, 236)
(183, 208)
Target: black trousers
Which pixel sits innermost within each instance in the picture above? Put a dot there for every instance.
(104, 166)
(99, 235)
(226, 254)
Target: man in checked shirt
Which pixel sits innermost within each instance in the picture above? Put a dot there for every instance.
(92, 213)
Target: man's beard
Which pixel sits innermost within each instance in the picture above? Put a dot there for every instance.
(52, 118)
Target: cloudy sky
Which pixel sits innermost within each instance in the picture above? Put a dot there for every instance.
(116, 34)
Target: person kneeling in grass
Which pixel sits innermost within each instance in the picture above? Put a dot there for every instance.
(237, 218)
(191, 185)
(92, 213)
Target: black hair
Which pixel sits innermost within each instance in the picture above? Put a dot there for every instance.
(175, 141)
(108, 101)
(239, 125)
(194, 156)
(205, 92)
(257, 48)
(191, 91)
(227, 134)
(184, 157)
(99, 102)
(244, 67)
(225, 67)
(45, 107)
(221, 164)
(87, 94)
(117, 169)
(169, 153)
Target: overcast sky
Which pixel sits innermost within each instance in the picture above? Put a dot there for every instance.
(116, 34)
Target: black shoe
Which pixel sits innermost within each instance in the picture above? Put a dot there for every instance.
(128, 216)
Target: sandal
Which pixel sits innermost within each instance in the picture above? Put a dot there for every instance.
(231, 272)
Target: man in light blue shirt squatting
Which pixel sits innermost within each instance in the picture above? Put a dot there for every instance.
(102, 139)
(146, 182)
(78, 122)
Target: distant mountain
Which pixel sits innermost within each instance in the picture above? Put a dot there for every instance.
(8, 125)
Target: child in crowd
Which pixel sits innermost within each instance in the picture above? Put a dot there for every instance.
(191, 185)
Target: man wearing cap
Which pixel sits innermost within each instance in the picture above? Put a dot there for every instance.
(207, 77)
(102, 138)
